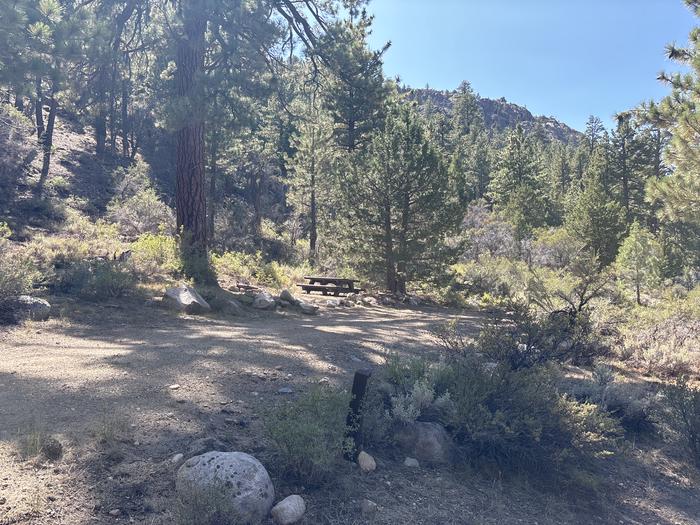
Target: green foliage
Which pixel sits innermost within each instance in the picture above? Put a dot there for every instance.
(398, 201)
(155, 255)
(684, 404)
(593, 216)
(97, 279)
(663, 340)
(514, 418)
(245, 267)
(516, 187)
(136, 207)
(639, 261)
(17, 272)
(309, 433)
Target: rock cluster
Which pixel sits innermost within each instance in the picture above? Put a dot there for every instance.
(18, 309)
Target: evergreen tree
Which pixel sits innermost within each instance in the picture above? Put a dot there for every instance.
(311, 188)
(639, 260)
(628, 172)
(516, 186)
(676, 196)
(593, 216)
(398, 191)
(356, 92)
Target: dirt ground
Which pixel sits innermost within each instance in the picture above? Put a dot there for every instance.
(125, 386)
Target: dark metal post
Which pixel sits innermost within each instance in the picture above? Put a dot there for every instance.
(354, 419)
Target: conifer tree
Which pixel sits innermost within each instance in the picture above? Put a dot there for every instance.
(356, 92)
(516, 186)
(400, 203)
(593, 216)
(639, 260)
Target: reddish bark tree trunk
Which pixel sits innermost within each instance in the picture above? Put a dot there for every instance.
(190, 196)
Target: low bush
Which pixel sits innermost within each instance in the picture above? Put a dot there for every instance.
(136, 208)
(488, 277)
(155, 255)
(96, 279)
(665, 341)
(498, 397)
(310, 433)
(684, 405)
(17, 272)
(237, 266)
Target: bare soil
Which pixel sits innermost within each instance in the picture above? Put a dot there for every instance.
(100, 378)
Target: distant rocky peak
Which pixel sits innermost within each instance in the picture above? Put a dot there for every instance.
(500, 115)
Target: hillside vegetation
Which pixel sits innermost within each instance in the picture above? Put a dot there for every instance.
(531, 293)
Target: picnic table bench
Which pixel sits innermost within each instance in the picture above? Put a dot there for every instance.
(332, 285)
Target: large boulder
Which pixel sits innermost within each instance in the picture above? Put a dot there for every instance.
(185, 299)
(234, 483)
(264, 301)
(22, 307)
(425, 441)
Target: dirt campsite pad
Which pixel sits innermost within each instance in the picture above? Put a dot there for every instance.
(126, 387)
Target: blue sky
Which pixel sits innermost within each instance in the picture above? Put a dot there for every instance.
(564, 58)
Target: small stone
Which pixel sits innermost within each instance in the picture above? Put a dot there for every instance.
(3, 501)
(366, 462)
(263, 301)
(174, 387)
(52, 449)
(411, 462)
(285, 390)
(287, 297)
(368, 506)
(177, 458)
(324, 381)
(115, 512)
(308, 309)
(288, 511)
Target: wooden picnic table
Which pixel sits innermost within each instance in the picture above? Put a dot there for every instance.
(333, 285)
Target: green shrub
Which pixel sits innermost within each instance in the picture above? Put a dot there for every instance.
(664, 340)
(684, 404)
(154, 255)
(310, 433)
(238, 266)
(97, 279)
(17, 272)
(515, 418)
(136, 207)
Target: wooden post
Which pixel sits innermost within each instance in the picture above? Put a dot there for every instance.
(354, 419)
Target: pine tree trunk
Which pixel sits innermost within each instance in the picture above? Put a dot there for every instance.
(39, 108)
(190, 197)
(46, 145)
(638, 293)
(125, 118)
(390, 263)
(113, 111)
(214, 173)
(101, 113)
(19, 101)
(313, 212)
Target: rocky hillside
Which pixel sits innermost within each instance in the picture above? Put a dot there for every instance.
(501, 115)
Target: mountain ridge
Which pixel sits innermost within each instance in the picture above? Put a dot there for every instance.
(500, 114)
